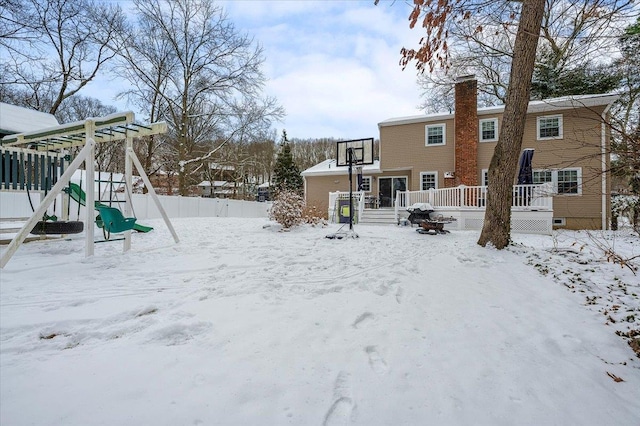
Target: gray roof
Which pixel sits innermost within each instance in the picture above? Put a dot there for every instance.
(546, 105)
(330, 167)
(15, 119)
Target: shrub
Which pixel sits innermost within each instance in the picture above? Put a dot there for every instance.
(287, 209)
(314, 216)
(629, 206)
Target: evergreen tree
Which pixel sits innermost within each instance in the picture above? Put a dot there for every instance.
(550, 82)
(287, 175)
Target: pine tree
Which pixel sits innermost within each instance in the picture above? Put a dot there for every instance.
(287, 175)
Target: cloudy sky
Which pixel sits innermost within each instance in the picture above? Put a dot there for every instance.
(332, 64)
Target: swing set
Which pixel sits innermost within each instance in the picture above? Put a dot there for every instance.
(48, 146)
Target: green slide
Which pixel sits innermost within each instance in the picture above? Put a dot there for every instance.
(79, 196)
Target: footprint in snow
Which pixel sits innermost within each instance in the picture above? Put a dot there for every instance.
(377, 363)
(362, 318)
(399, 294)
(341, 411)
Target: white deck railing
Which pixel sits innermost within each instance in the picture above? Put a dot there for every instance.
(525, 197)
(358, 203)
(532, 206)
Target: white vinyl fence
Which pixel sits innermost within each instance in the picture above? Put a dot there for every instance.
(15, 204)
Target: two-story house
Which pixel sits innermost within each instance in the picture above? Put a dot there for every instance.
(569, 135)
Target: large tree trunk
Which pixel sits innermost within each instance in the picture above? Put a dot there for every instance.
(502, 170)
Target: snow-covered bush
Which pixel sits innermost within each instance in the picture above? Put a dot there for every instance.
(287, 209)
(314, 216)
(629, 206)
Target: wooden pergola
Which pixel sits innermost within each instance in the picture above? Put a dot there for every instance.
(86, 134)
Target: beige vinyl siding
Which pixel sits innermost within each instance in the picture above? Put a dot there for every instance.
(319, 187)
(579, 148)
(404, 153)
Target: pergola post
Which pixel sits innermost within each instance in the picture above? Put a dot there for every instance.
(89, 165)
(128, 188)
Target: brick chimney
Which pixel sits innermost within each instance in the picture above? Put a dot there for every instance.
(466, 131)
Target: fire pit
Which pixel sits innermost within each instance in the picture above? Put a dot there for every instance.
(422, 214)
(419, 212)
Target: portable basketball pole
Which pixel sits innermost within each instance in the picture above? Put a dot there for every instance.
(350, 160)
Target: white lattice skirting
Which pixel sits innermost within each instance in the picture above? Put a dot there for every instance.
(522, 222)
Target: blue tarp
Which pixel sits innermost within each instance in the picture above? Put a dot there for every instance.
(525, 174)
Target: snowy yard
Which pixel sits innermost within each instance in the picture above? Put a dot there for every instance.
(239, 324)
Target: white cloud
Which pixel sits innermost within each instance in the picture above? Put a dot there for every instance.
(333, 65)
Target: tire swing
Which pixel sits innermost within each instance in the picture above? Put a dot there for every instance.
(44, 227)
(50, 225)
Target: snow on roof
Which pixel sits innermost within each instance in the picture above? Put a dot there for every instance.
(330, 167)
(554, 104)
(15, 119)
(264, 185)
(218, 166)
(214, 183)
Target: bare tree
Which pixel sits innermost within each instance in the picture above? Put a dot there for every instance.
(12, 27)
(63, 46)
(438, 19)
(573, 37)
(191, 68)
(625, 124)
(502, 169)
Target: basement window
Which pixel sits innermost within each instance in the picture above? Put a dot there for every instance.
(559, 221)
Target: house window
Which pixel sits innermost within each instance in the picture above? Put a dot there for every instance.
(485, 177)
(435, 134)
(550, 127)
(366, 184)
(489, 130)
(568, 181)
(565, 181)
(428, 180)
(542, 176)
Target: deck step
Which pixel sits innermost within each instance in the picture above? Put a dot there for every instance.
(378, 216)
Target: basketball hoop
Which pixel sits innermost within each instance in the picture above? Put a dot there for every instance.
(361, 151)
(357, 152)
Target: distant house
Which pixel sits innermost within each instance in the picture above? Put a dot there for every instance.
(217, 189)
(263, 192)
(440, 151)
(217, 171)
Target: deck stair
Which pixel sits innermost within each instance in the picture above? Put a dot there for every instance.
(378, 217)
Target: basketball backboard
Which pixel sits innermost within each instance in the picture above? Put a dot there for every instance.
(361, 150)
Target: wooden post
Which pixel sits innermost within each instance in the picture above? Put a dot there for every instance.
(89, 165)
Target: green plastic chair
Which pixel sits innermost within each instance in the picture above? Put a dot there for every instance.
(114, 221)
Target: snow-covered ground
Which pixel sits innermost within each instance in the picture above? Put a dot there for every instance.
(240, 324)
